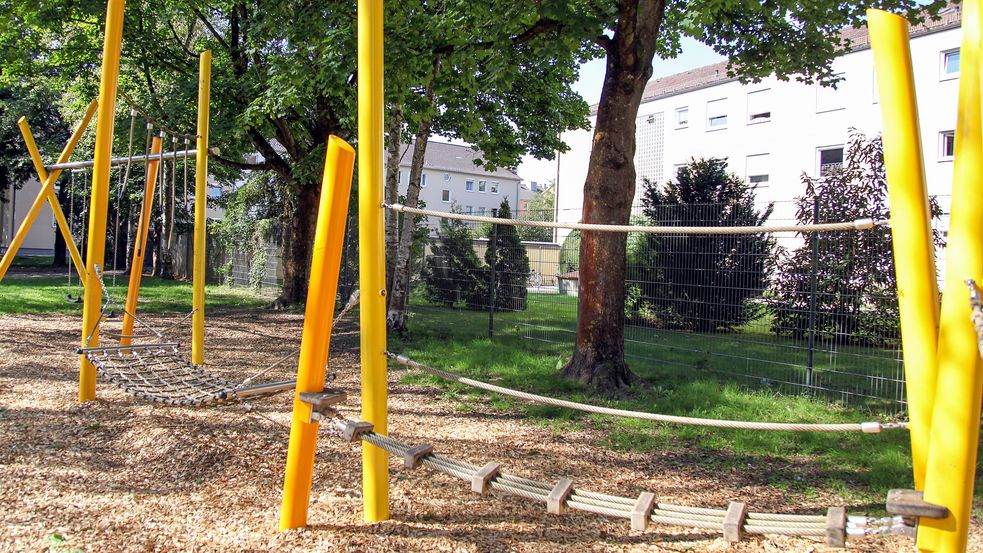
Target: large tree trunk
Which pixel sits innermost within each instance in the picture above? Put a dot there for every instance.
(394, 141)
(299, 218)
(396, 317)
(599, 356)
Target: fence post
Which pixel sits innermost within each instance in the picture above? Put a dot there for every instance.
(812, 294)
(492, 245)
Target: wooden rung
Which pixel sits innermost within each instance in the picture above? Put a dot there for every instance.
(355, 429)
(734, 521)
(836, 527)
(911, 503)
(642, 511)
(480, 482)
(415, 454)
(557, 499)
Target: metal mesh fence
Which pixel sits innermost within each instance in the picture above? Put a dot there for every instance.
(813, 314)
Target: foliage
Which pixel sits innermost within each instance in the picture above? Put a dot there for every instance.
(703, 282)
(570, 253)
(511, 263)
(855, 285)
(40, 106)
(540, 208)
(250, 223)
(453, 273)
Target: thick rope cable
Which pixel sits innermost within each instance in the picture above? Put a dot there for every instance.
(865, 427)
(859, 224)
(622, 507)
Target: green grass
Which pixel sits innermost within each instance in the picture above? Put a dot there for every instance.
(861, 467)
(32, 261)
(47, 295)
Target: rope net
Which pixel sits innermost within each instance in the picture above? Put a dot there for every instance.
(159, 373)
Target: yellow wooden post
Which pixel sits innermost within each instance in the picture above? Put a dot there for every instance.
(47, 192)
(329, 238)
(99, 204)
(372, 255)
(951, 473)
(140, 248)
(201, 199)
(914, 251)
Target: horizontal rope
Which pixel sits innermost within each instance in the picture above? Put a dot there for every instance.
(859, 224)
(866, 427)
(614, 506)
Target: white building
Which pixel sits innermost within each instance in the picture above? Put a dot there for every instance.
(450, 178)
(773, 131)
(40, 238)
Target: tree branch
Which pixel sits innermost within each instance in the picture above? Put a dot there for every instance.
(211, 29)
(265, 166)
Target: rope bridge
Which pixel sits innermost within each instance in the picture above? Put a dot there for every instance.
(735, 521)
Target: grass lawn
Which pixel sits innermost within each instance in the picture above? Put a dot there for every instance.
(862, 467)
(29, 261)
(47, 295)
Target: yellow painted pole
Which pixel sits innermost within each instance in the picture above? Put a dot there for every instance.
(950, 477)
(140, 251)
(201, 199)
(329, 239)
(372, 256)
(911, 229)
(99, 204)
(48, 192)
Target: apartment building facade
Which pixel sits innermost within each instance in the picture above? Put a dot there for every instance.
(773, 131)
(451, 180)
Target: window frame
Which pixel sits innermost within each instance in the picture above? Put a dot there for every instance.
(493, 187)
(482, 187)
(681, 124)
(750, 120)
(943, 58)
(423, 180)
(469, 185)
(838, 92)
(819, 156)
(721, 114)
(445, 192)
(942, 145)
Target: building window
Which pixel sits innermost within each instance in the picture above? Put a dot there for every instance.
(947, 145)
(469, 185)
(950, 64)
(757, 169)
(677, 169)
(494, 187)
(682, 117)
(481, 210)
(759, 106)
(445, 196)
(717, 114)
(423, 180)
(829, 98)
(830, 159)
(447, 178)
(469, 210)
(399, 179)
(481, 186)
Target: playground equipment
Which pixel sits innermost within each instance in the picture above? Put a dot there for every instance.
(944, 434)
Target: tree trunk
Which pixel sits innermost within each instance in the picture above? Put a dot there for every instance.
(299, 219)
(393, 146)
(599, 355)
(396, 318)
(60, 257)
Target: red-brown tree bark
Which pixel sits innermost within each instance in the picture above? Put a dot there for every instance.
(599, 355)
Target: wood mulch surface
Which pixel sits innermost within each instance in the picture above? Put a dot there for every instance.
(118, 474)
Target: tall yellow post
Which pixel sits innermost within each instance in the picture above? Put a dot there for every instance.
(47, 192)
(329, 238)
(99, 204)
(372, 255)
(914, 252)
(140, 249)
(201, 199)
(950, 477)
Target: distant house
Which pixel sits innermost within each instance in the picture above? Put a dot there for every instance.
(451, 178)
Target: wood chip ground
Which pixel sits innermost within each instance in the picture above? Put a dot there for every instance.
(120, 475)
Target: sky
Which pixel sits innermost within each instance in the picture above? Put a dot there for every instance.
(695, 54)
